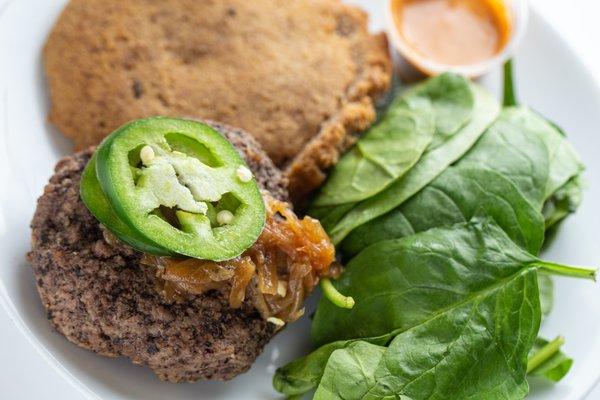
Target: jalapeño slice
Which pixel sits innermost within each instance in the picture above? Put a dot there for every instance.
(94, 199)
(180, 184)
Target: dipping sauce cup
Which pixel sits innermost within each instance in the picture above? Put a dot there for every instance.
(469, 37)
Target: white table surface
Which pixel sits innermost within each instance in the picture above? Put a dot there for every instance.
(576, 20)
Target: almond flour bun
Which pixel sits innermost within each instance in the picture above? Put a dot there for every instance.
(301, 76)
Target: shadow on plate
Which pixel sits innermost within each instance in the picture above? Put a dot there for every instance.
(59, 143)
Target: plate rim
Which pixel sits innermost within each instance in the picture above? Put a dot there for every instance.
(8, 305)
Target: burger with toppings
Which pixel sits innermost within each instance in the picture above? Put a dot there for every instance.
(173, 244)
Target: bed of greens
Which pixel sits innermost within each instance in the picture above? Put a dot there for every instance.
(441, 211)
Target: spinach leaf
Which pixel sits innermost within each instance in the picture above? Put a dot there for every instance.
(423, 293)
(453, 137)
(514, 147)
(400, 283)
(450, 99)
(458, 195)
(304, 374)
(383, 154)
(565, 163)
(447, 311)
(523, 148)
(560, 195)
(475, 349)
(563, 202)
(553, 364)
(550, 179)
(359, 362)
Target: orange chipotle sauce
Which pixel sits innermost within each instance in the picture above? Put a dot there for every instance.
(275, 275)
(453, 32)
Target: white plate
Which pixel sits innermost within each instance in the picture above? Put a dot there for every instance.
(550, 79)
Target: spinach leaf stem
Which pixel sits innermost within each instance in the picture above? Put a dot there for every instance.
(544, 353)
(567, 270)
(510, 97)
(335, 296)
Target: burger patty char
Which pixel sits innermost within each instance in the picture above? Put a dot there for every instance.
(98, 295)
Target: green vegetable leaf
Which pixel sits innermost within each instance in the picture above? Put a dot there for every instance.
(458, 195)
(520, 146)
(565, 164)
(564, 189)
(459, 305)
(475, 349)
(383, 154)
(563, 202)
(400, 283)
(453, 101)
(454, 136)
(514, 147)
(447, 311)
(304, 374)
(548, 361)
(359, 361)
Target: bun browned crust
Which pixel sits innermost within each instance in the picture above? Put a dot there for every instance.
(300, 76)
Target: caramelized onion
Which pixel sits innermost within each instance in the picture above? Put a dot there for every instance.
(244, 272)
(275, 274)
